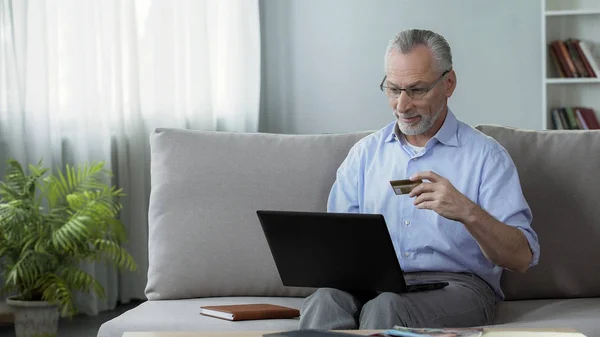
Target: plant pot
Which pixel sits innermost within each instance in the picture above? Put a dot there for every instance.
(34, 318)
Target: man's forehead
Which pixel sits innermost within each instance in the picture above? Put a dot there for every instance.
(407, 77)
(408, 72)
(417, 62)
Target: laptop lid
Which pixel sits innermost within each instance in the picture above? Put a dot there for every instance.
(352, 252)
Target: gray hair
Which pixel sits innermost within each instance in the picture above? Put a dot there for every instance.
(405, 41)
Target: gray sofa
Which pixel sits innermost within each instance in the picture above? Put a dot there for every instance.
(206, 246)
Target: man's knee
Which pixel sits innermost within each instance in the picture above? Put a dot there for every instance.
(325, 297)
(326, 294)
(329, 309)
(385, 301)
(384, 309)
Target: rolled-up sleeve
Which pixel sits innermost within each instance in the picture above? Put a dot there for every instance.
(500, 194)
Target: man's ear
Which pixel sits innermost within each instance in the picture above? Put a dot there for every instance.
(450, 83)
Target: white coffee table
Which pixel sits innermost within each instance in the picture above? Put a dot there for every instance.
(488, 332)
(224, 334)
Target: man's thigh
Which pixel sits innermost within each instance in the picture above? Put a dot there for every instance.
(466, 301)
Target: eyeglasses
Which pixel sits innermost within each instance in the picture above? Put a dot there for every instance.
(416, 93)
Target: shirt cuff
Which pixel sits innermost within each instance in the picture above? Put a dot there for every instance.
(533, 245)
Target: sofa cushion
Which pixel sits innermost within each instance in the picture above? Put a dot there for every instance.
(184, 315)
(579, 314)
(560, 176)
(205, 239)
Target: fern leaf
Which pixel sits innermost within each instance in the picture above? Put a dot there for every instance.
(29, 242)
(8, 192)
(91, 178)
(79, 280)
(78, 178)
(49, 189)
(56, 290)
(73, 233)
(71, 179)
(117, 228)
(63, 186)
(38, 170)
(26, 270)
(115, 253)
(15, 176)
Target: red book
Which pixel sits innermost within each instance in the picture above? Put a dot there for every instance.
(559, 70)
(576, 59)
(561, 59)
(584, 59)
(589, 116)
(563, 48)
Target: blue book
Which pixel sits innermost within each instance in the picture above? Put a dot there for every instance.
(399, 331)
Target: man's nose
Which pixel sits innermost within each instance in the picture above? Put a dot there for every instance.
(403, 101)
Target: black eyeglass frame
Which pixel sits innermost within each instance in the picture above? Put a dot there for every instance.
(407, 90)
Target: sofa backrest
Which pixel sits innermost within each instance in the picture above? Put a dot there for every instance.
(204, 235)
(205, 239)
(560, 176)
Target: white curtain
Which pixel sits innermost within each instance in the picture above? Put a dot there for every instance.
(84, 80)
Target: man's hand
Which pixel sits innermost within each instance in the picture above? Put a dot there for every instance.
(440, 196)
(503, 245)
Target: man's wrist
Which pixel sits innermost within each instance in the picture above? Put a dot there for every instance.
(472, 214)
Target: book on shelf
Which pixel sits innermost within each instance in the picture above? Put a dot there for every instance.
(574, 118)
(573, 58)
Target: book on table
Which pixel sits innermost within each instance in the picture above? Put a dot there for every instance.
(399, 331)
(433, 332)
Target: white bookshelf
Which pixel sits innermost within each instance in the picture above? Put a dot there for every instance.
(564, 12)
(571, 80)
(561, 20)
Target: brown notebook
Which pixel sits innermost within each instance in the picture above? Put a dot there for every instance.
(243, 312)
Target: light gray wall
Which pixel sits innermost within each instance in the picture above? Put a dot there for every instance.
(322, 60)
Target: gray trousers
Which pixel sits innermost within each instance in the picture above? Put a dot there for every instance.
(468, 301)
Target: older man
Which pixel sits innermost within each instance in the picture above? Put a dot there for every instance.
(464, 224)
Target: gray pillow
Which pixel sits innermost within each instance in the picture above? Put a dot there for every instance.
(560, 176)
(204, 235)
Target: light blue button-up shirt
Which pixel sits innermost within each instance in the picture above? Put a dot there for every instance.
(477, 166)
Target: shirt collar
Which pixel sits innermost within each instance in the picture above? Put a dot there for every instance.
(446, 135)
(393, 133)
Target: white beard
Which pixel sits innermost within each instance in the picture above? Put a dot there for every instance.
(422, 126)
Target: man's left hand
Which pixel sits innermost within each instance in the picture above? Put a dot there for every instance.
(440, 196)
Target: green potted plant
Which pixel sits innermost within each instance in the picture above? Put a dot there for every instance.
(49, 225)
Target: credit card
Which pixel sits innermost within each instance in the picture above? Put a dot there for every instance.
(404, 186)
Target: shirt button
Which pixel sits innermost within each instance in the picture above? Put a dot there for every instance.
(407, 254)
(414, 159)
(407, 222)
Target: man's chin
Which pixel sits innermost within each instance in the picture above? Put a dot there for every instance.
(411, 130)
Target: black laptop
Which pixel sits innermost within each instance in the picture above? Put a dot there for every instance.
(351, 252)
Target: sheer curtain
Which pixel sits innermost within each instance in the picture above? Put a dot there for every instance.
(84, 80)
